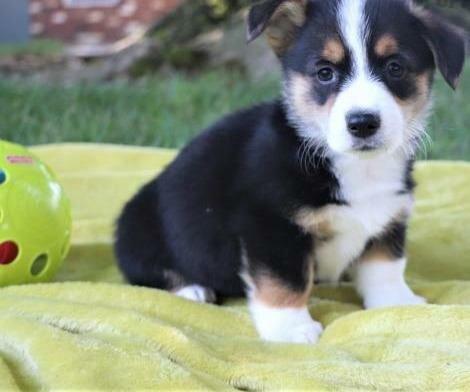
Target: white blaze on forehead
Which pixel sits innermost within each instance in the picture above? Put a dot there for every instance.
(362, 92)
(353, 24)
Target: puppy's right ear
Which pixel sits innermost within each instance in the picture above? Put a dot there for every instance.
(280, 18)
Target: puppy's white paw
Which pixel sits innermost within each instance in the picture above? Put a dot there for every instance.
(397, 297)
(382, 284)
(306, 333)
(196, 293)
(285, 325)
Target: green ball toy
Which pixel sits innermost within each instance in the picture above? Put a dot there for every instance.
(35, 218)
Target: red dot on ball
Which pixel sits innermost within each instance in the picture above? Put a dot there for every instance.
(8, 252)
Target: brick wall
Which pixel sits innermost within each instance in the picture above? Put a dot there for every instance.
(94, 22)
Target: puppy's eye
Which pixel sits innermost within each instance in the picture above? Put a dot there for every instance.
(326, 75)
(395, 70)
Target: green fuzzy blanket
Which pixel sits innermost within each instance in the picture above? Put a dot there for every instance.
(87, 331)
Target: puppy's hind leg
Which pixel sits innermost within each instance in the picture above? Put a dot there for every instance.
(177, 285)
(142, 252)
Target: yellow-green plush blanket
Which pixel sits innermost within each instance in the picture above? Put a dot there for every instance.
(88, 331)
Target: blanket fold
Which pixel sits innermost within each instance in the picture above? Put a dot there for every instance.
(89, 331)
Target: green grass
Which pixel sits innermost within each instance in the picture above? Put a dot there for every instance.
(165, 111)
(449, 126)
(168, 111)
(38, 47)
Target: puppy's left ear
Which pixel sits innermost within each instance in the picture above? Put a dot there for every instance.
(447, 43)
(281, 19)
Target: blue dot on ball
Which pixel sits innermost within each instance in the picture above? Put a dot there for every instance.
(3, 176)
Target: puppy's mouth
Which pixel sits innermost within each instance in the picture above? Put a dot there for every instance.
(367, 145)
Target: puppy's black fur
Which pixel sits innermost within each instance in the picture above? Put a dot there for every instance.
(239, 181)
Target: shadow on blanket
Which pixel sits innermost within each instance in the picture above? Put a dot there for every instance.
(100, 334)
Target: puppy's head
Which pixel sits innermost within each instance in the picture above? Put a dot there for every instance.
(358, 73)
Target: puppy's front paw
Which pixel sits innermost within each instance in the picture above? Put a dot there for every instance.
(285, 325)
(305, 333)
(397, 297)
(382, 284)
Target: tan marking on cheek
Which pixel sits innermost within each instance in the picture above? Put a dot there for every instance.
(423, 83)
(284, 23)
(416, 105)
(273, 292)
(316, 223)
(300, 91)
(300, 97)
(334, 51)
(386, 46)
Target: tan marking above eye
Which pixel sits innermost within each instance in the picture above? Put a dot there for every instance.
(386, 46)
(334, 51)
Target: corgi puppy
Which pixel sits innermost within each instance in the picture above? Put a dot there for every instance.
(316, 184)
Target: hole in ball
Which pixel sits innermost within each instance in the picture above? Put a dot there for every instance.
(8, 252)
(3, 176)
(39, 265)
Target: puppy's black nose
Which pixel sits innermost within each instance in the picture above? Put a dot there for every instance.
(363, 124)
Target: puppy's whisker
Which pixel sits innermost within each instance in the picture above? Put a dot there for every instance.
(307, 157)
(318, 154)
(311, 154)
(419, 138)
(303, 155)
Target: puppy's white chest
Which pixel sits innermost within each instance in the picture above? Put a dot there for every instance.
(373, 201)
(351, 228)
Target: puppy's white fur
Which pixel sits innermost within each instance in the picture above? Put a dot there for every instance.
(363, 95)
(290, 325)
(362, 92)
(362, 181)
(381, 284)
(194, 293)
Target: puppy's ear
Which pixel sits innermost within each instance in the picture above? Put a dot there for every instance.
(447, 44)
(280, 18)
